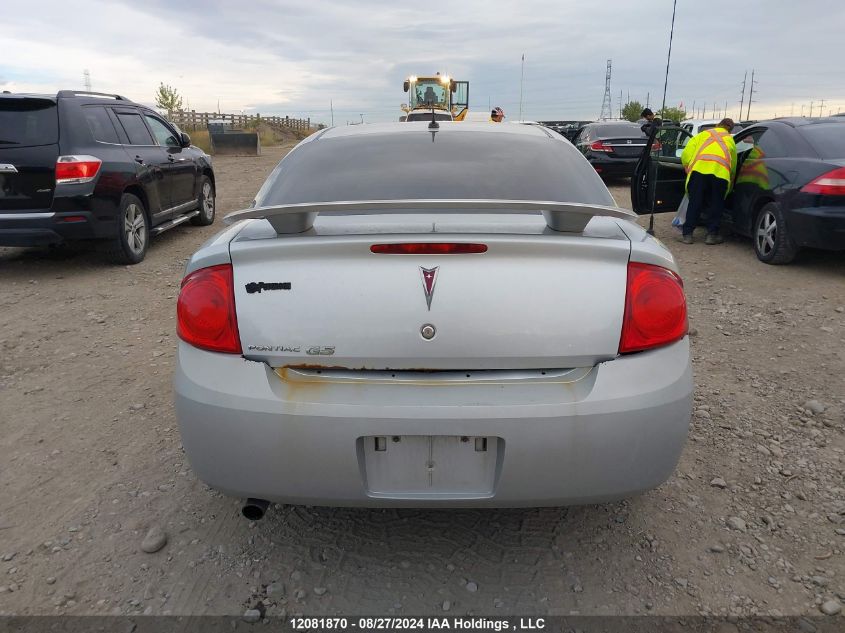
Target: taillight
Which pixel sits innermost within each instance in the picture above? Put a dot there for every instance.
(830, 184)
(600, 146)
(74, 170)
(205, 311)
(428, 248)
(655, 308)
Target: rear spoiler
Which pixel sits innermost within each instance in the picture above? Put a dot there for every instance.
(569, 217)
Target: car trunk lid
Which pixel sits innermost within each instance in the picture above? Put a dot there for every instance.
(529, 301)
(625, 147)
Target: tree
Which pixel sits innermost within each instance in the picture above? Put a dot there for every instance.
(672, 114)
(631, 111)
(168, 99)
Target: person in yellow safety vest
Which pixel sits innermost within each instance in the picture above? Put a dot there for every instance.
(497, 115)
(710, 162)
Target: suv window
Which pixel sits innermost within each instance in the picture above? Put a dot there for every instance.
(135, 129)
(28, 122)
(100, 124)
(163, 134)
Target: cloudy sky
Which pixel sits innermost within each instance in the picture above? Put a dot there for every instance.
(296, 58)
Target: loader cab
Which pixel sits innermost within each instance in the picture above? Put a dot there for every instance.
(439, 92)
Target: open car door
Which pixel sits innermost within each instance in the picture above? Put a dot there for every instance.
(659, 179)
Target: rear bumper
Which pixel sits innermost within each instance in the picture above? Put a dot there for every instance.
(41, 227)
(818, 227)
(607, 166)
(617, 431)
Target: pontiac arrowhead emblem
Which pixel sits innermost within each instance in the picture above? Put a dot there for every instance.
(429, 278)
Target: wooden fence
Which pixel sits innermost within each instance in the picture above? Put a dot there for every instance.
(191, 120)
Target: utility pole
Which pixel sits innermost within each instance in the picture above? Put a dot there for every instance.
(750, 95)
(821, 107)
(620, 103)
(742, 101)
(647, 95)
(726, 110)
(693, 108)
(521, 77)
(605, 104)
(811, 109)
(714, 109)
(86, 77)
(331, 107)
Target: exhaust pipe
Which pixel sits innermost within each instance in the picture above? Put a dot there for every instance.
(254, 509)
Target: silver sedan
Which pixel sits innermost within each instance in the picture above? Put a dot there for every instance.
(422, 315)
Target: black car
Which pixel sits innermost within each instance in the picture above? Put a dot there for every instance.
(88, 166)
(788, 191)
(612, 147)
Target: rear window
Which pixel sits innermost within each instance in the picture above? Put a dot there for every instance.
(449, 164)
(135, 129)
(100, 125)
(28, 122)
(828, 139)
(625, 131)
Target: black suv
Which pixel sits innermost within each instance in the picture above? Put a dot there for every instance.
(84, 165)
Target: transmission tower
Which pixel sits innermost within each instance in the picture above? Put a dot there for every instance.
(86, 76)
(750, 96)
(606, 107)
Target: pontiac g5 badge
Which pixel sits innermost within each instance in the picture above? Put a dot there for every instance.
(429, 278)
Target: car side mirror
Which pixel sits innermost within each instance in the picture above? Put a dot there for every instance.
(406, 85)
(184, 139)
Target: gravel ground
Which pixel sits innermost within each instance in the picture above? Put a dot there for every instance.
(100, 513)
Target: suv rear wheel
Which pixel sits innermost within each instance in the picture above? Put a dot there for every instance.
(129, 246)
(206, 203)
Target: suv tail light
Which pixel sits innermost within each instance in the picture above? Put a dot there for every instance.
(830, 184)
(655, 308)
(205, 310)
(74, 170)
(600, 146)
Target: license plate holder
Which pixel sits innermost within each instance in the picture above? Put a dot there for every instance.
(437, 466)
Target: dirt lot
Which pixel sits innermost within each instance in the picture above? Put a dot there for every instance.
(753, 521)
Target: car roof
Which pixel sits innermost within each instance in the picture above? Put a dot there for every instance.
(701, 121)
(417, 127)
(798, 121)
(82, 95)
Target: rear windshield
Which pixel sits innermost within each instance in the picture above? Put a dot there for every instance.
(828, 139)
(418, 164)
(28, 122)
(618, 129)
